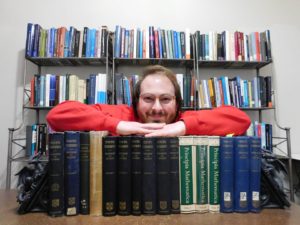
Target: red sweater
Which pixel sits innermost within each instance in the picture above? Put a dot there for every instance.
(72, 115)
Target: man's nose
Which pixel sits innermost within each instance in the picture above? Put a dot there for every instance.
(157, 105)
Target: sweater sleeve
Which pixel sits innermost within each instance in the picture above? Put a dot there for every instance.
(73, 115)
(220, 121)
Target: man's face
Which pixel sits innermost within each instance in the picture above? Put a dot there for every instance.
(157, 101)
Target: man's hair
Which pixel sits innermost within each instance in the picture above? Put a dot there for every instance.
(151, 70)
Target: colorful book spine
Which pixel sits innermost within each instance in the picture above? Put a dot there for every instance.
(214, 173)
(201, 145)
(187, 181)
(226, 174)
(71, 150)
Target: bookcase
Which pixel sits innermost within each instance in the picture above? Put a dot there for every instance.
(113, 65)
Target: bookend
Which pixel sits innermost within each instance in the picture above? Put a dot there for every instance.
(272, 188)
(32, 187)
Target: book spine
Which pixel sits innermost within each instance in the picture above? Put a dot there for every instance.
(72, 147)
(255, 172)
(124, 176)
(241, 187)
(148, 176)
(56, 174)
(201, 144)
(136, 174)
(174, 174)
(214, 173)
(163, 177)
(84, 159)
(226, 174)
(186, 151)
(110, 175)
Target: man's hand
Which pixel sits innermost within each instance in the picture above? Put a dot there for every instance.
(169, 130)
(128, 128)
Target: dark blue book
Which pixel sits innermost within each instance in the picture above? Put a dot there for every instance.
(148, 176)
(71, 150)
(52, 90)
(56, 174)
(84, 160)
(124, 176)
(242, 174)
(136, 174)
(163, 176)
(92, 87)
(255, 172)
(110, 175)
(151, 42)
(29, 39)
(35, 49)
(226, 173)
(117, 41)
(173, 143)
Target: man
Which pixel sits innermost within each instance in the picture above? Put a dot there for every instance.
(155, 112)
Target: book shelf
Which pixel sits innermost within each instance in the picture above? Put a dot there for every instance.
(113, 65)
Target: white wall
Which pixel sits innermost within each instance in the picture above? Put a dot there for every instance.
(281, 17)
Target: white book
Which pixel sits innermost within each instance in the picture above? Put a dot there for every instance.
(81, 90)
(47, 90)
(187, 44)
(232, 47)
(179, 78)
(99, 37)
(147, 44)
(73, 87)
(80, 44)
(134, 42)
(228, 45)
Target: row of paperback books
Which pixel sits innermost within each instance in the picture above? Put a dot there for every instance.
(137, 43)
(152, 43)
(218, 91)
(63, 42)
(234, 46)
(92, 173)
(50, 89)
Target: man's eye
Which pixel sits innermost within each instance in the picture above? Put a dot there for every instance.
(148, 99)
(165, 100)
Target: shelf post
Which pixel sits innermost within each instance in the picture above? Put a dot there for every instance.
(9, 156)
(290, 163)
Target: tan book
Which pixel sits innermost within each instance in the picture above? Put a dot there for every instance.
(96, 172)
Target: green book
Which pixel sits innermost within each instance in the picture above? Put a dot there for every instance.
(201, 145)
(187, 183)
(214, 173)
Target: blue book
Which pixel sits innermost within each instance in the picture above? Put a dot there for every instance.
(242, 174)
(160, 43)
(151, 42)
(52, 90)
(179, 45)
(141, 44)
(246, 94)
(52, 42)
(37, 31)
(92, 83)
(67, 43)
(88, 43)
(175, 44)
(71, 172)
(117, 42)
(127, 96)
(255, 172)
(226, 174)
(29, 39)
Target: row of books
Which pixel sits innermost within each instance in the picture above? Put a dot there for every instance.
(36, 140)
(50, 89)
(218, 91)
(63, 42)
(152, 43)
(92, 173)
(264, 131)
(233, 46)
